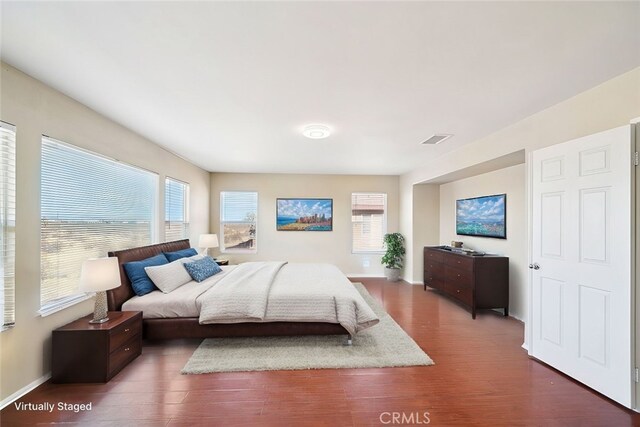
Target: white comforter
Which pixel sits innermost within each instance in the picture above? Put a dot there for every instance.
(278, 291)
(264, 292)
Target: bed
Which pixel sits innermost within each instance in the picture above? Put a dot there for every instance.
(185, 318)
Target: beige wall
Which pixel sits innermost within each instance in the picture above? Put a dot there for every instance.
(611, 104)
(332, 247)
(512, 182)
(426, 224)
(36, 109)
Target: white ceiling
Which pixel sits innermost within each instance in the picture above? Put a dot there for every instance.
(230, 85)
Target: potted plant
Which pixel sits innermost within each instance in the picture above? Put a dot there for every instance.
(392, 259)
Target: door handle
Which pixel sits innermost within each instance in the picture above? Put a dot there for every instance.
(535, 266)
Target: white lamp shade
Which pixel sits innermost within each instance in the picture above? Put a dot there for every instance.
(208, 241)
(100, 274)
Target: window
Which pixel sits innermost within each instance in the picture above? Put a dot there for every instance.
(176, 210)
(89, 205)
(238, 221)
(8, 221)
(369, 221)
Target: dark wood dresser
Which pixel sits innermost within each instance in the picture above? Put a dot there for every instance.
(93, 353)
(474, 281)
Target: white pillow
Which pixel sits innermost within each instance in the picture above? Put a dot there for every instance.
(169, 277)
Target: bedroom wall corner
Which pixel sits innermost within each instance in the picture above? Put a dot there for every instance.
(36, 109)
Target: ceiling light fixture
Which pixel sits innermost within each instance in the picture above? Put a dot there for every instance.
(316, 131)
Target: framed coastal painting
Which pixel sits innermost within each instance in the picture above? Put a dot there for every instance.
(482, 216)
(304, 214)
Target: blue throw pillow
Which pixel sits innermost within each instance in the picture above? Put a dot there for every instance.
(140, 282)
(202, 268)
(183, 253)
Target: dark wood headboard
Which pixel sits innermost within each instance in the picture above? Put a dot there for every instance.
(116, 297)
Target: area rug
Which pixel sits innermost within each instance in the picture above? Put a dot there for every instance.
(383, 345)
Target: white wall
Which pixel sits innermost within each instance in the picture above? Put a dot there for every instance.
(512, 182)
(37, 109)
(304, 246)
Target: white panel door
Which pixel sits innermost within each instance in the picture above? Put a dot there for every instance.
(581, 260)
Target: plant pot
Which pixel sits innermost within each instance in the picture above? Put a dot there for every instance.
(392, 274)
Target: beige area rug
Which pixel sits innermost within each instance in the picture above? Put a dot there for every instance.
(383, 345)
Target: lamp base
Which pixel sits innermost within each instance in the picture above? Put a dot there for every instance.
(100, 309)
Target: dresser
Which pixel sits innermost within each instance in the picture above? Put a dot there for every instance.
(83, 352)
(476, 282)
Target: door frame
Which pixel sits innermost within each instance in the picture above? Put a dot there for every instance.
(634, 128)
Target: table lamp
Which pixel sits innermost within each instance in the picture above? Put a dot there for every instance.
(208, 241)
(99, 275)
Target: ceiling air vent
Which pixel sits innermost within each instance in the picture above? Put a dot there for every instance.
(437, 138)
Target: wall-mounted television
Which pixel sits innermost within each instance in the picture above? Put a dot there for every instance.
(484, 216)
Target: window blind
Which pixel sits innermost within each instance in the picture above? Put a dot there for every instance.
(368, 221)
(8, 221)
(176, 210)
(89, 205)
(238, 221)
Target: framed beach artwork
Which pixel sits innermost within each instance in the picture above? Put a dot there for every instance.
(304, 214)
(482, 216)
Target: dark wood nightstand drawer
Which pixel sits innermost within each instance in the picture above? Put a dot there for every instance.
(120, 357)
(84, 352)
(123, 333)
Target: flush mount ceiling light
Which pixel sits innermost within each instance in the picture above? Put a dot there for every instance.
(316, 131)
(437, 138)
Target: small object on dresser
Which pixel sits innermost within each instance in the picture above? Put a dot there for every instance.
(95, 353)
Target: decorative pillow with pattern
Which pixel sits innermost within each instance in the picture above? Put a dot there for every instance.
(202, 269)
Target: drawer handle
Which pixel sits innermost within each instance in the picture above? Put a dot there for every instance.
(458, 275)
(127, 349)
(126, 330)
(458, 290)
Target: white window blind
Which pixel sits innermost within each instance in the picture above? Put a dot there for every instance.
(238, 221)
(8, 221)
(369, 221)
(89, 205)
(176, 210)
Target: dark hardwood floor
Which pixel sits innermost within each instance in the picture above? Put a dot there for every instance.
(482, 377)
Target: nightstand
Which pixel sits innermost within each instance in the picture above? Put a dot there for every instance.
(222, 261)
(94, 353)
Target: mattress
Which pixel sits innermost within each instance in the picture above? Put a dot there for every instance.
(182, 302)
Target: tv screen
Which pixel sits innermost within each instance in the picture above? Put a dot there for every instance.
(482, 216)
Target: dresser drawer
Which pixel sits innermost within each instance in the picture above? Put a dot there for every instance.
(434, 269)
(459, 277)
(433, 256)
(124, 354)
(123, 333)
(461, 293)
(461, 262)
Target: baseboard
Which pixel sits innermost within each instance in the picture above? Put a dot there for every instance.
(24, 390)
(525, 346)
